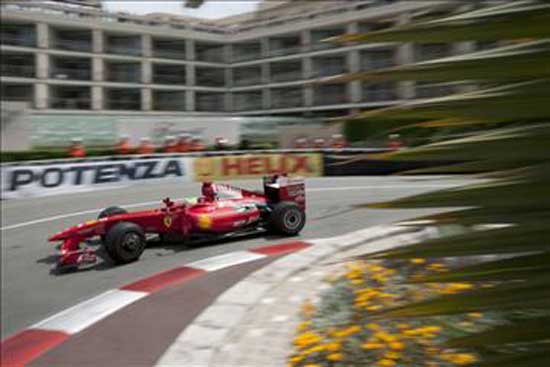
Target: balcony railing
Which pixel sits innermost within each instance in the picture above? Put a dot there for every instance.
(169, 54)
(73, 45)
(287, 99)
(282, 51)
(253, 80)
(124, 76)
(121, 104)
(70, 103)
(240, 57)
(169, 78)
(215, 55)
(210, 106)
(160, 105)
(331, 97)
(18, 71)
(69, 74)
(433, 90)
(17, 40)
(323, 71)
(379, 92)
(123, 50)
(286, 76)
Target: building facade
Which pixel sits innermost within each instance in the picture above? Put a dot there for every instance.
(61, 58)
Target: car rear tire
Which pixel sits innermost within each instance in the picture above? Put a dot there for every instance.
(110, 211)
(287, 218)
(125, 242)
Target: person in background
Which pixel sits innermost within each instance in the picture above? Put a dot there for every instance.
(145, 146)
(300, 143)
(221, 143)
(338, 141)
(319, 143)
(197, 145)
(123, 145)
(184, 143)
(394, 142)
(170, 145)
(76, 150)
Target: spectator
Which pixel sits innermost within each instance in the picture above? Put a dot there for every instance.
(197, 145)
(394, 142)
(123, 145)
(300, 143)
(145, 146)
(184, 143)
(221, 143)
(338, 141)
(319, 143)
(170, 145)
(76, 150)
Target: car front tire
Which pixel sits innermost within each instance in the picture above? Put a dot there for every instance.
(125, 242)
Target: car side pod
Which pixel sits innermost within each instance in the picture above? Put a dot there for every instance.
(72, 256)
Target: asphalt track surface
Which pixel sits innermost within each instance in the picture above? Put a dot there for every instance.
(31, 291)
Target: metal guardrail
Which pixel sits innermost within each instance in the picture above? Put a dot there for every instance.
(212, 153)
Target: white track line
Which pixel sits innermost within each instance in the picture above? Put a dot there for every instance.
(134, 205)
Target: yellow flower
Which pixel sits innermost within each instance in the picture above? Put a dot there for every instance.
(418, 261)
(308, 308)
(459, 358)
(296, 359)
(333, 347)
(453, 288)
(372, 345)
(397, 345)
(373, 326)
(386, 363)
(315, 349)
(307, 338)
(475, 315)
(347, 331)
(303, 326)
(335, 357)
(392, 355)
(388, 338)
(438, 267)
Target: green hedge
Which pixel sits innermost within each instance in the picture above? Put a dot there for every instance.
(48, 154)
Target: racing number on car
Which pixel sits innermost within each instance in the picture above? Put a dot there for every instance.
(168, 221)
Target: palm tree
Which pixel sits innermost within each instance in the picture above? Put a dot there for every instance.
(511, 144)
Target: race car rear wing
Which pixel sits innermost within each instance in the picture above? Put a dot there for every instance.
(279, 188)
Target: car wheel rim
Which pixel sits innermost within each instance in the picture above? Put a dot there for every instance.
(131, 242)
(292, 219)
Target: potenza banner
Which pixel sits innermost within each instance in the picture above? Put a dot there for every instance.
(248, 166)
(47, 179)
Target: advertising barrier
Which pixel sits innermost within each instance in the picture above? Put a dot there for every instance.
(47, 179)
(257, 165)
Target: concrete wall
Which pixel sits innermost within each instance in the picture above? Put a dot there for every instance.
(15, 126)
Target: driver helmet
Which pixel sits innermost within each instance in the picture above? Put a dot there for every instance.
(208, 190)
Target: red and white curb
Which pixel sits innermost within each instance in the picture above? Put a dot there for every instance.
(27, 345)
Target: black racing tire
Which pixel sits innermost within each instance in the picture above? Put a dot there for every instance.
(110, 211)
(125, 242)
(287, 218)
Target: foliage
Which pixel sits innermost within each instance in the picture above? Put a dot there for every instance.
(512, 113)
(345, 330)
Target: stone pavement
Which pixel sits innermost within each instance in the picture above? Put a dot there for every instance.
(252, 324)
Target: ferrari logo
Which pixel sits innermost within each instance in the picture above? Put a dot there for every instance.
(204, 222)
(168, 221)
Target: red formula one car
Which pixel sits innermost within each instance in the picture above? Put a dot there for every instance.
(221, 211)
